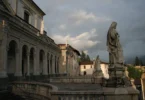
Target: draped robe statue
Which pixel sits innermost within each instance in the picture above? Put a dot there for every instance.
(97, 72)
(114, 46)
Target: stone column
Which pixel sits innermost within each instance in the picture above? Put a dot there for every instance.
(58, 65)
(88, 97)
(28, 63)
(36, 62)
(83, 97)
(53, 65)
(20, 59)
(66, 98)
(49, 63)
(17, 69)
(3, 61)
(45, 64)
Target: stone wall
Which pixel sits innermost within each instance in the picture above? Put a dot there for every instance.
(35, 90)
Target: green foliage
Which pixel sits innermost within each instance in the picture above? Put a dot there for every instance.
(134, 73)
(88, 58)
(84, 57)
(141, 63)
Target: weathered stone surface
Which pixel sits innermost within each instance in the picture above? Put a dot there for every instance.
(120, 91)
(128, 93)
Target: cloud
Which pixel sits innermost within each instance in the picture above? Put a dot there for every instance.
(81, 16)
(75, 20)
(62, 27)
(81, 42)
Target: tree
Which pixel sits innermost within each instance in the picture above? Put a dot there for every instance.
(88, 58)
(137, 61)
(134, 73)
(83, 56)
(141, 63)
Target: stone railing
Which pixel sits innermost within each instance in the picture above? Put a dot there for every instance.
(75, 79)
(35, 90)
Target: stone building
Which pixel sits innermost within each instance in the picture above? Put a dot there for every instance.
(87, 68)
(25, 48)
(69, 60)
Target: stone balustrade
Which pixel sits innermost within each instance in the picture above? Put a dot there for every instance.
(37, 90)
(75, 79)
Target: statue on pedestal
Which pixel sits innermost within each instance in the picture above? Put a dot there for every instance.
(114, 46)
(97, 72)
(116, 60)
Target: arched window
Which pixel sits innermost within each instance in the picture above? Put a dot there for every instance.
(26, 16)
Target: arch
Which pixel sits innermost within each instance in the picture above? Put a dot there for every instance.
(41, 61)
(11, 58)
(32, 52)
(24, 60)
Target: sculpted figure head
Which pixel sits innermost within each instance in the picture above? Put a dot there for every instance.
(113, 25)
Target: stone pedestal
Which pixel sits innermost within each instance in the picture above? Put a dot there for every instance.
(117, 77)
(128, 93)
(118, 86)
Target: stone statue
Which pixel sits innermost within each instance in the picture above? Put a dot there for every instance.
(116, 60)
(114, 46)
(97, 64)
(97, 72)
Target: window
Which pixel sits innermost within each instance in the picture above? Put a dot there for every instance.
(84, 67)
(26, 16)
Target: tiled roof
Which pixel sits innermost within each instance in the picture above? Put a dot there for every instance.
(86, 62)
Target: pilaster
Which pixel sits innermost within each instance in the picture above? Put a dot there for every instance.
(36, 63)
(3, 50)
(28, 63)
(18, 69)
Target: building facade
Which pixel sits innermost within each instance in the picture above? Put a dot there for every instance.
(25, 48)
(87, 68)
(69, 60)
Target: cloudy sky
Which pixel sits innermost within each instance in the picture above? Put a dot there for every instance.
(84, 23)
